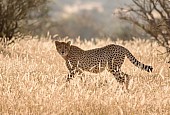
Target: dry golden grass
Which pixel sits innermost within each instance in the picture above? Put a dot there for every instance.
(32, 81)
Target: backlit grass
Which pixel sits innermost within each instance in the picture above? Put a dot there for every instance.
(33, 81)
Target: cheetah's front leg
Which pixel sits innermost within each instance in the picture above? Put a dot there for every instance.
(73, 72)
(70, 75)
(73, 69)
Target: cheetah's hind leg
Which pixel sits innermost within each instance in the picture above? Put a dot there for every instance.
(126, 80)
(122, 78)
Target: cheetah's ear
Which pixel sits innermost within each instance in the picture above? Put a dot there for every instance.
(69, 42)
(57, 42)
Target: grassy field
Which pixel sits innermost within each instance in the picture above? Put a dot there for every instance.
(33, 81)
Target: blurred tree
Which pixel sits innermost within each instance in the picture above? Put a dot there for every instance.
(38, 21)
(13, 15)
(153, 16)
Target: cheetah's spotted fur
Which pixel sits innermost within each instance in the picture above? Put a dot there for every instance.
(96, 60)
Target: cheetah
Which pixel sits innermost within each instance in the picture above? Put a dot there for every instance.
(98, 59)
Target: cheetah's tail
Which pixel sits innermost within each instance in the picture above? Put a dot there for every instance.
(137, 63)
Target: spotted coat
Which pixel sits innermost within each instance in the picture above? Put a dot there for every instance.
(96, 60)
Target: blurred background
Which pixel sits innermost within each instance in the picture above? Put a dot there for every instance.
(73, 18)
(85, 18)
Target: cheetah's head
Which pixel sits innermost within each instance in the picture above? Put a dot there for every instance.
(63, 48)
